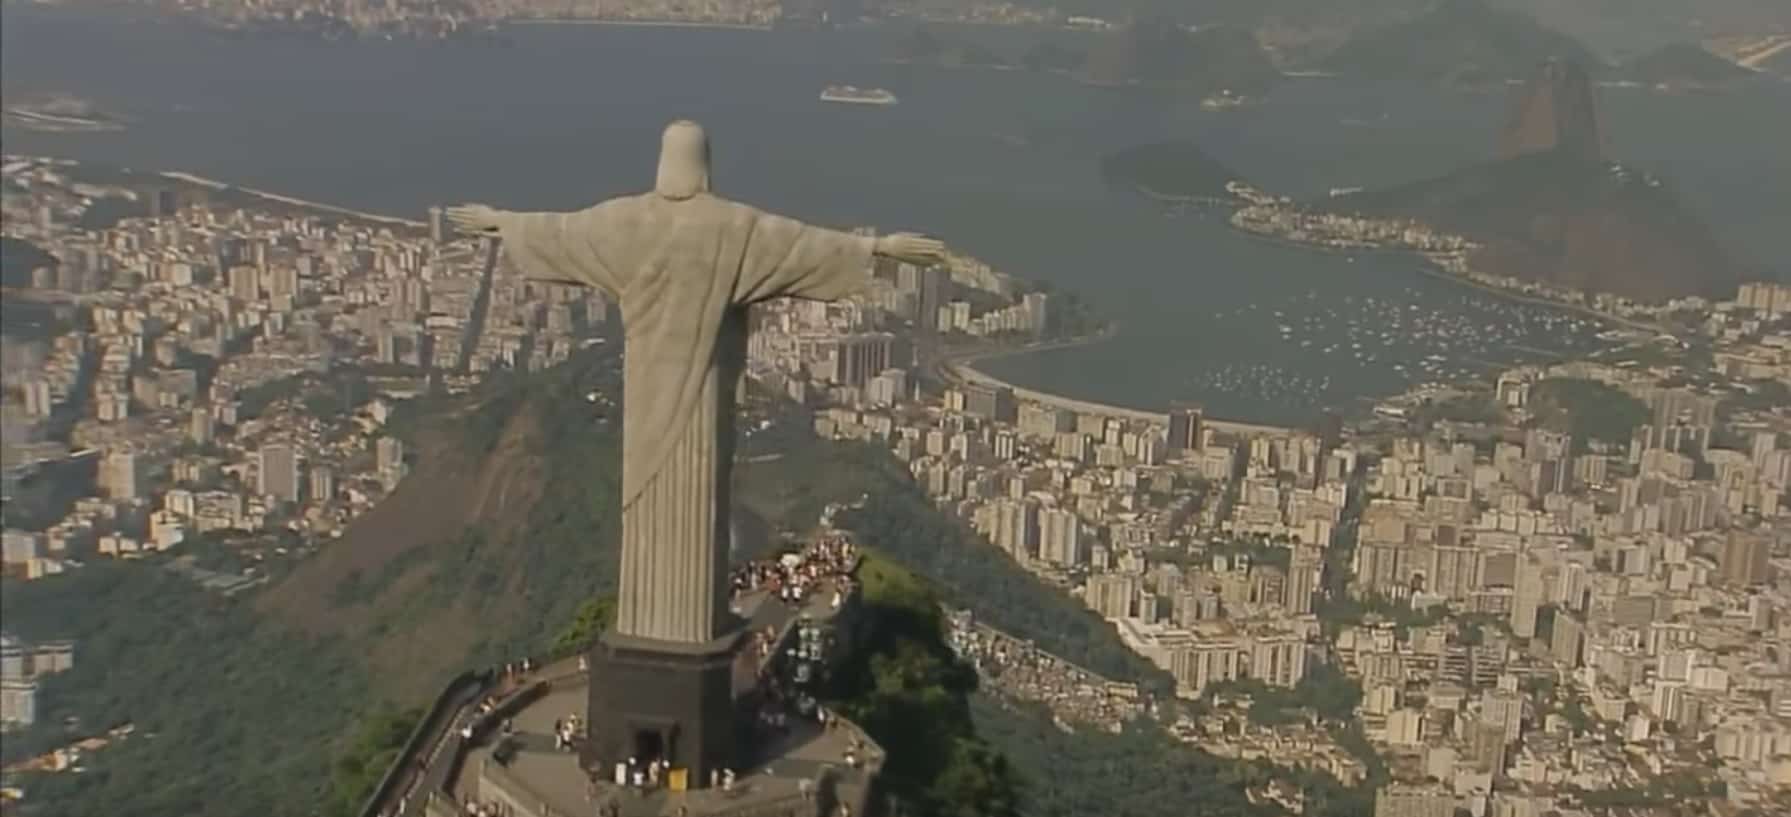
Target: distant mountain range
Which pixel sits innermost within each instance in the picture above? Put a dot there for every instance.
(1458, 41)
(1218, 58)
(1471, 42)
(1154, 53)
(1567, 220)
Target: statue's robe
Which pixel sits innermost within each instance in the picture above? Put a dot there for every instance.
(683, 272)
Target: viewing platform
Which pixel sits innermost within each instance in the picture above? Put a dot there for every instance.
(489, 746)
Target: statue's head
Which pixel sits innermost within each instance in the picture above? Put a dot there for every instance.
(683, 161)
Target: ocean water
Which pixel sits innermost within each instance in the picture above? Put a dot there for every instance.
(1000, 164)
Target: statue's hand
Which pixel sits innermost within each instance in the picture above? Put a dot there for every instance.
(474, 218)
(911, 247)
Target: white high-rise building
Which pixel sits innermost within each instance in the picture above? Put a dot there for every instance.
(278, 472)
(119, 475)
(1060, 537)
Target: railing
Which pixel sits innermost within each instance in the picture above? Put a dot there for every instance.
(438, 719)
(433, 734)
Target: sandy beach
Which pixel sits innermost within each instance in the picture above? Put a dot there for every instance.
(296, 202)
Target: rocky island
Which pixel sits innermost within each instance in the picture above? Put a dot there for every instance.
(1550, 211)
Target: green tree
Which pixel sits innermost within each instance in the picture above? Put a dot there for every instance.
(1588, 410)
(366, 757)
(592, 618)
(910, 692)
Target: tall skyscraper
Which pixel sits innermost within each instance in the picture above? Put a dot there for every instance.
(1111, 594)
(1567, 637)
(1405, 800)
(930, 287)
(1744, 559)
(1304, 575)
(1060, 537)
(389, 453)
(1527, 597)
(164, 203)
(39, 399)
(282, 281)
(323, 484)
(119, 474)
(1015, 527)
(1186, 426)
(996, 404)
(278, 472)
(245, 282)
(202, 427)
(437, 229)
(854, 359)
(1038, 311)
(1504, 709)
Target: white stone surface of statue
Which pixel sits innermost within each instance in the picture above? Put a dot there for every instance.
(684, 265)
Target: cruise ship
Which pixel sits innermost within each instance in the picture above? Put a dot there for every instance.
(860, 96)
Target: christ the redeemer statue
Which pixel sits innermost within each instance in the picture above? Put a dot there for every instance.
(684, 265)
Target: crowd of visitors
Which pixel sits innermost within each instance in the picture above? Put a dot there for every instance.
(825, 563)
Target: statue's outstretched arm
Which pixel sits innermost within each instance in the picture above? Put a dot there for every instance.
(912, 248)
(477, 219)
(555, 248)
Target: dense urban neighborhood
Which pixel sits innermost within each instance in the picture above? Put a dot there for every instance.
(1556, 590)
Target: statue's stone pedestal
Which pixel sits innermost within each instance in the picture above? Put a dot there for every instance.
(670, 700)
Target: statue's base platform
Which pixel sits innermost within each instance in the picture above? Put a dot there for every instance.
(635, 697)
(801, 772)
(661, 700)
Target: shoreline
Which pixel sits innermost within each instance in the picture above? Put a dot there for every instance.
(22, 117)
(1430, 268)
(1192, 201)
(952, 365)
(214, 184)
(962, 368)
(584, 21)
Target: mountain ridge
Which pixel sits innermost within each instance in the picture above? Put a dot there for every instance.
(1458, 42)
(1562, 219)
